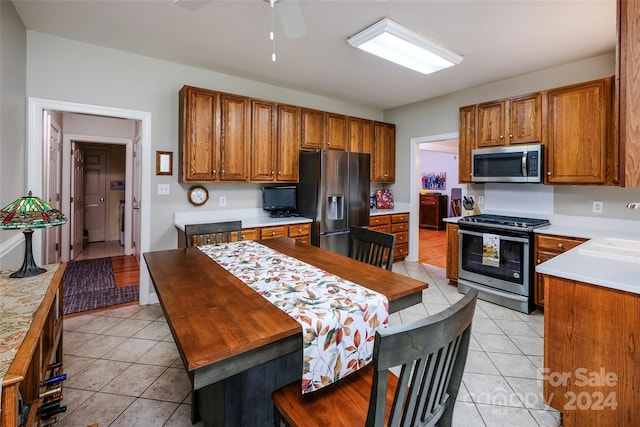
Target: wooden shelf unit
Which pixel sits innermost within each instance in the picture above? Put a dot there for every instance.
(40, 348)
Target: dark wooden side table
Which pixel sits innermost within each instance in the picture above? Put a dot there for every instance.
(433, 208)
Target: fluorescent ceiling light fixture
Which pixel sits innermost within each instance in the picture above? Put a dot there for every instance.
(393, 42)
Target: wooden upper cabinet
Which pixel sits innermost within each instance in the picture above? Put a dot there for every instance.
(287, 157)
(313, 129)
(628, 92)
(525, 119)
(384, 153)
(466, 142)
(336, 132)
(491, 123)
(580, 147)
(510, 121)
(322, 130)
(198, 136)
(361, 135)
(235, 124)
(263, 141)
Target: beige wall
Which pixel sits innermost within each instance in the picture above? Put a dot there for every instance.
(439, 116)
(13, 70)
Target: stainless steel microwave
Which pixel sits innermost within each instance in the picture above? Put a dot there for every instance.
(522, 163)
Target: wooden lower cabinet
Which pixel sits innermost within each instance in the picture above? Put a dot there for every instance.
(546, 247)
(301, 232)
(397, 224)
(40, 348)
(591, 359)
(452, 253)
(433, 210)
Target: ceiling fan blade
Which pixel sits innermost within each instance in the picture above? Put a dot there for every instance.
(291, 18)
(192, 5)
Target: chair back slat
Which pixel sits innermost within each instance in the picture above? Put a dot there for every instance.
(432, 353)
(373, 247)
(213, 233)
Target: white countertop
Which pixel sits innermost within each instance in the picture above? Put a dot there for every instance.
(249, 217)
(398, 207)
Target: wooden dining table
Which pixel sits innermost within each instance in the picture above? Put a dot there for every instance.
(236, 346)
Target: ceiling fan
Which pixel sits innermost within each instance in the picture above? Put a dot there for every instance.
(288, 11)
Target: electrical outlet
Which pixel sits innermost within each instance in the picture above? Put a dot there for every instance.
(223, 201)
(597, 207)
(481, 200)
(164, 189)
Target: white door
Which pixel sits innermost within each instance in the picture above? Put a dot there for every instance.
(136, 186)
(53, 147)
(77, 201)
(95, 193)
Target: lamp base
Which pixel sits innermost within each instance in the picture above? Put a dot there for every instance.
(29, 267)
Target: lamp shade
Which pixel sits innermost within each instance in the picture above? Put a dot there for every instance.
(30, 212)
(27, 213)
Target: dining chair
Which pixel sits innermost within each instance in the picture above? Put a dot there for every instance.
(431, 354)
(456, 207)
(213, 233)
(372, 247)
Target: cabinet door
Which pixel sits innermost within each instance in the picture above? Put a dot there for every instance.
(313, 129)
(361, 135)
(288, 143)
(628, 90)
(198, 139)
(538, 287)
(336, 132)
(234, 137)
(466, 142)
(452, 252)
(525, 119)
(263, 141)
(491, 123)
(579, 140)
(384, 157)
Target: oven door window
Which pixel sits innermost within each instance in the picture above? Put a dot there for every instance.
(512, 258)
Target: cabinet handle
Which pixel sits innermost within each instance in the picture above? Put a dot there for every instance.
(560, 245)
(273, 233)
(501, 136)
(510, 136)
(549, 173)
(273, 172)
(538, 260)
(279, 172)
(222, 172)
(213, 172)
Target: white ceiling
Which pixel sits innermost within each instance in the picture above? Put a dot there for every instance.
(498, 39)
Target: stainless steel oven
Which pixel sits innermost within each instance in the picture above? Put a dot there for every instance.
(496, 257)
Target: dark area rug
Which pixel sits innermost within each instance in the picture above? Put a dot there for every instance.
(90, 284)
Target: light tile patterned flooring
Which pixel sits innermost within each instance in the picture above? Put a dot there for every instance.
(124, 368)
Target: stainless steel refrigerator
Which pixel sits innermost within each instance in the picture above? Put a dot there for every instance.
(334, 191)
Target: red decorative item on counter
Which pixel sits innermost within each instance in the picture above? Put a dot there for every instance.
(384, 199)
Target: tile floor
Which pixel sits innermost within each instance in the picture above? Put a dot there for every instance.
(124, 369)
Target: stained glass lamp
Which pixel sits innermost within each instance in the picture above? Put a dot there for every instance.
(27, 213)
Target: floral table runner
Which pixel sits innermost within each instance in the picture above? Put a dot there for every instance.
(339, 318)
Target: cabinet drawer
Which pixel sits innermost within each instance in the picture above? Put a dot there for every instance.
(429, 200)
(399, 218)
(400, 251)
(273, 232)
(379, 219)
(397, 228)
(299, 230)
(385, 228)
(250, 233)
(558, 244)
(402, 237)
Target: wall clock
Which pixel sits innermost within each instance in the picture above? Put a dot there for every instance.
(198, 195)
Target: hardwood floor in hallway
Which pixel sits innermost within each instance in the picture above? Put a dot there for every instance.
(433, 247)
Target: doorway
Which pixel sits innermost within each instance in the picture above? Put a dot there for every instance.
(136, 237)
(444, 143)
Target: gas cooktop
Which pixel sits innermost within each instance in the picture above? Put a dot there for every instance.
(500, 221)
